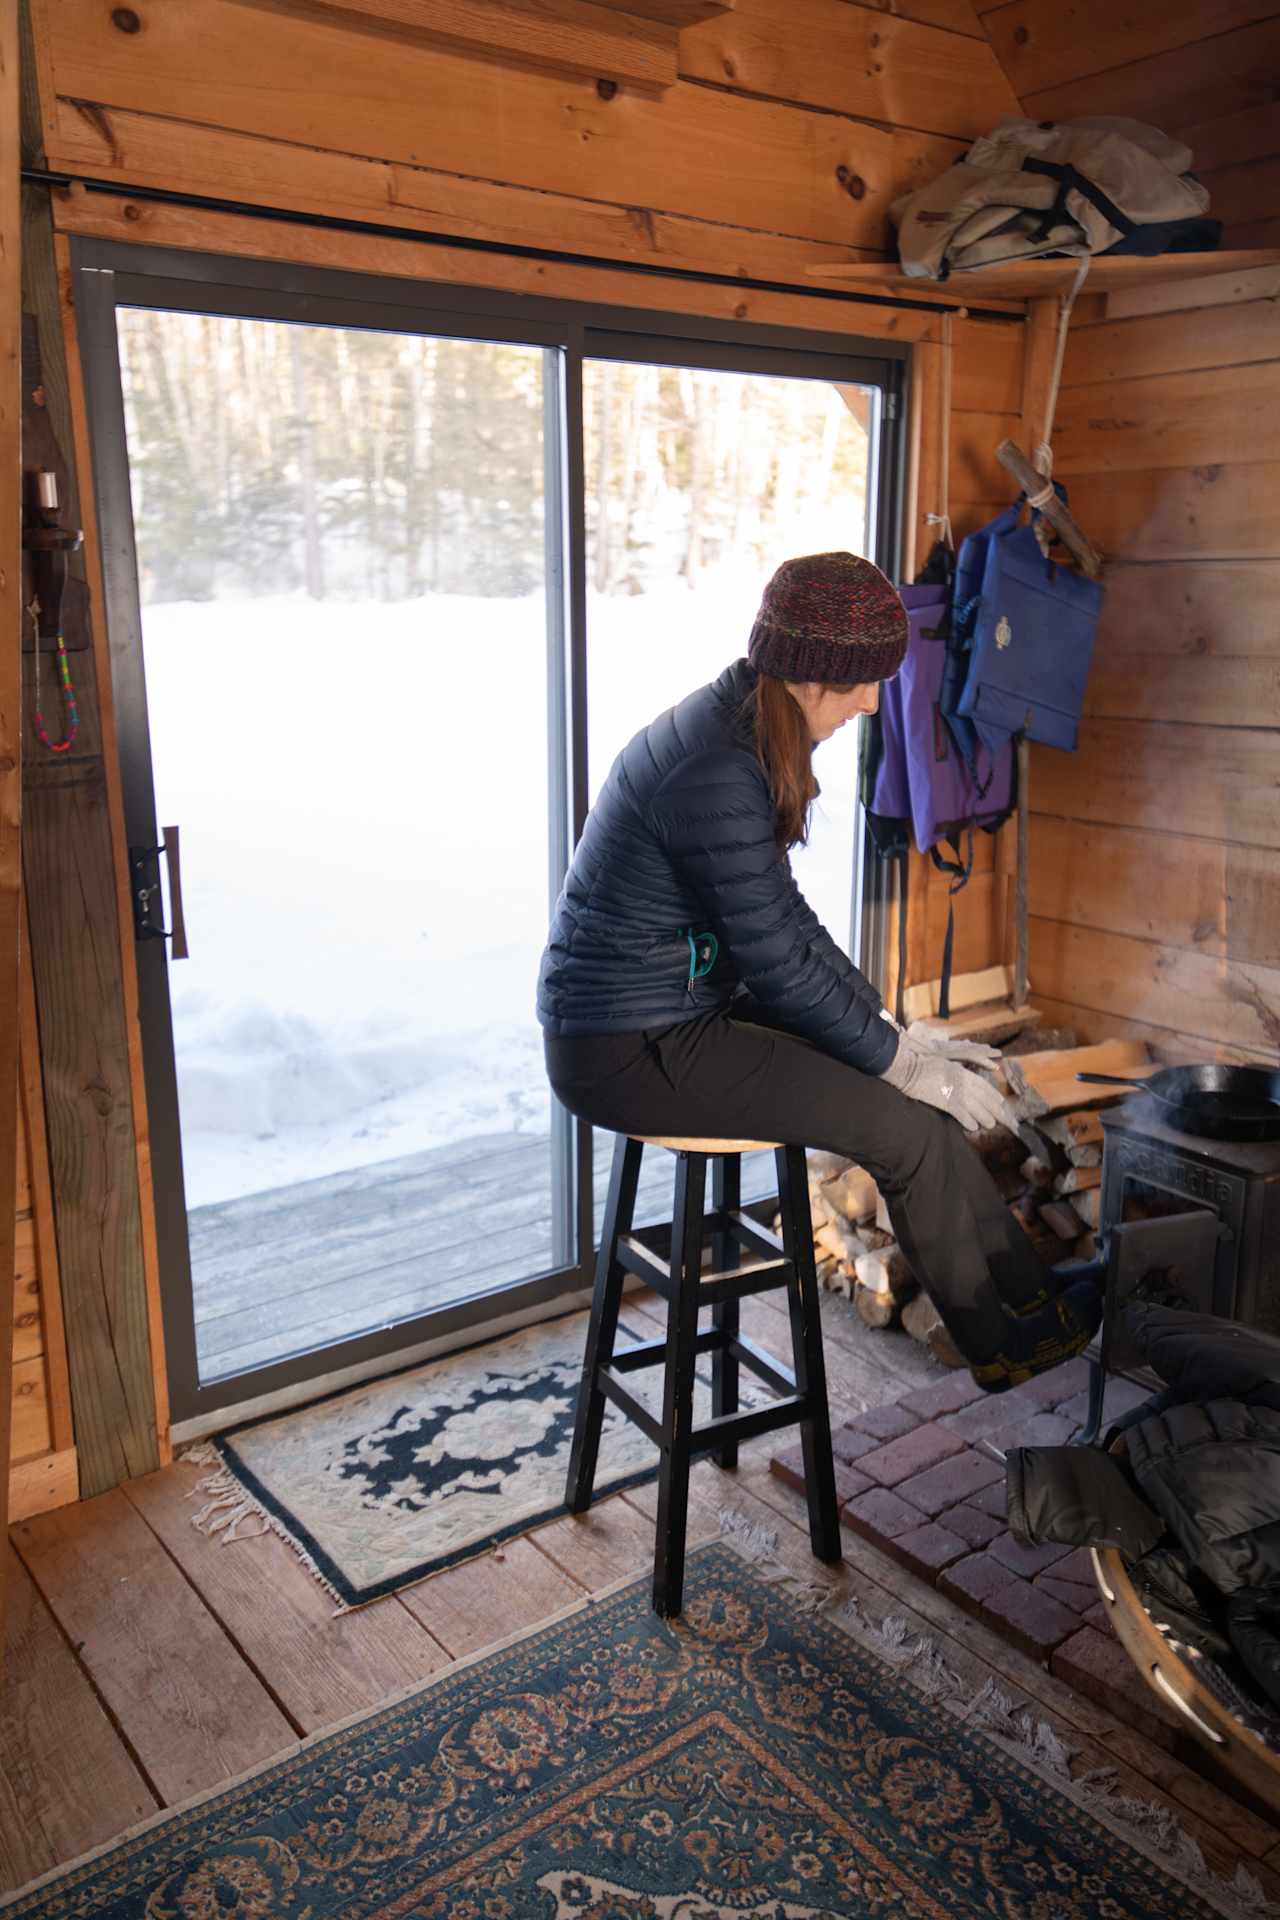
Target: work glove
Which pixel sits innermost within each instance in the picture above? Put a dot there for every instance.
(922, 1074)
(972, 1053)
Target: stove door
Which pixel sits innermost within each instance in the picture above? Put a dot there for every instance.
(1184, 1244)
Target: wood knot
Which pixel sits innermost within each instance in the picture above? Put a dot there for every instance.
(730, 68)
(126, 20)
(132, 210)
(853, 183)
(607, 89)
(1021, 35)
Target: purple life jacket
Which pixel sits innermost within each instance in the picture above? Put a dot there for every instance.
(923, 786)
(922, 774)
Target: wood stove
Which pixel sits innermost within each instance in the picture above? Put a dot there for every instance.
(1207, 1209)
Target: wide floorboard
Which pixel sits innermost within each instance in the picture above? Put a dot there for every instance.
(147, 1663)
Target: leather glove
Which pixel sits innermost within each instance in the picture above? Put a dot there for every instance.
(973, 1053)
(924, 1075)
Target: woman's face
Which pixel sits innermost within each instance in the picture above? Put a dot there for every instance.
(827, 708)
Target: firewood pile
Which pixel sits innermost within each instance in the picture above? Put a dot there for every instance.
(1053, 1191)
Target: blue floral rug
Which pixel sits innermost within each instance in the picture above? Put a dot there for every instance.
(748, 1762)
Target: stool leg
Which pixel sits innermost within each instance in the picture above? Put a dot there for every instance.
(677, 1396)
(602, 1330)
(806, 1340)
(726, 1193)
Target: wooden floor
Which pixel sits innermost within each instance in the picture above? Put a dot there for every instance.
(298, 1267)
(143, 1668)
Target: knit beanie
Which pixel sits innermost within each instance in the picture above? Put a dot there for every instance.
(829, 617)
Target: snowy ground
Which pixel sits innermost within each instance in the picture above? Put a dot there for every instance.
(361, 793)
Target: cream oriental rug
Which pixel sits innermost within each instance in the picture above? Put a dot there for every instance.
(380, 1485)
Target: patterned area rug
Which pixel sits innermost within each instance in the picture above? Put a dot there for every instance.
(750, 1759)
(382, 1484)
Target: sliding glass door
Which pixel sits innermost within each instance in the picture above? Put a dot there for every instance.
(391, 576)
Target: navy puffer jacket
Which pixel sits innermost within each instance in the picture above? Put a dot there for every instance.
(680, 843)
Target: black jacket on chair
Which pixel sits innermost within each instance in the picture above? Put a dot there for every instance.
(1195, 1504)
(682, 844)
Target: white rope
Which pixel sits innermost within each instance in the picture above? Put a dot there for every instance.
(1042, 458)
(943, 519)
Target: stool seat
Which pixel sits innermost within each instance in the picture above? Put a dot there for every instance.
(691, 1143)
(746, 1258)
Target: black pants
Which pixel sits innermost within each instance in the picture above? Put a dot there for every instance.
(735, 1078)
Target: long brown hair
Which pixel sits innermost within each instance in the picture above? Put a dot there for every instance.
(784, 748)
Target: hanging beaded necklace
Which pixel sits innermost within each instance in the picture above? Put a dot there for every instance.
(70, 711)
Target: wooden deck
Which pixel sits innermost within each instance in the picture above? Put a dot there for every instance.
(144, 1668)
(302, 1266)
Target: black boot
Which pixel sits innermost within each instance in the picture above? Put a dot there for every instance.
(1033, 1342)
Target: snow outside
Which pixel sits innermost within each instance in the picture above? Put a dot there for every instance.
(340, 545)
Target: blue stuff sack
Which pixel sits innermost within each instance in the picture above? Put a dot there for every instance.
(1023, 630)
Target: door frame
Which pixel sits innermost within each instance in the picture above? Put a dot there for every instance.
(107, 275)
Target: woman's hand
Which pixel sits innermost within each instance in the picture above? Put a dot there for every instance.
(972, 1053)
(923, 1074)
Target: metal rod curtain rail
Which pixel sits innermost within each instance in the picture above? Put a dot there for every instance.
(338, 223)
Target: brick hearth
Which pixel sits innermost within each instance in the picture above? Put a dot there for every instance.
(913, 1480)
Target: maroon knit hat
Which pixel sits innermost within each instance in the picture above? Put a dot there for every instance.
(830, 617)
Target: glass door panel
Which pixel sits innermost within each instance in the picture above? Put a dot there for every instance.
(699, 482)
(340, 541)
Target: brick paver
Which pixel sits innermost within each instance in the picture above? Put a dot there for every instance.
(910, 1454)
(919, 1481)
(965, 1476)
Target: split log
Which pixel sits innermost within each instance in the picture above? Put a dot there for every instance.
(852, 1194)
(1078, 1180)
(1086, 1156)
(876, 1238)
(921, 1319)
(883, 1222)
(1082, 1129)
(1036, 1173)
(1062, 1219)
(1089, 1206)
(996, 1147)
(1042, 1039)
(887, 1273)
(826, 1270)
(1046, 1083)
(878, 1310)
(840, 1242)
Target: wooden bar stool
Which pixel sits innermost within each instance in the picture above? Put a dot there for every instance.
(787, 1262)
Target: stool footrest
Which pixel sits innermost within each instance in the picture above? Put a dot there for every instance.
(733, 1428)
(748, 1233)
(612, 1389)
(763, 1364)
(653, 1352)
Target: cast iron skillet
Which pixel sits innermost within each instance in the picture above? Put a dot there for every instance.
(1218, 1102)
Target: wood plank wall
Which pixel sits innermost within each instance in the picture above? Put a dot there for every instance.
(1203, 69)
(10, 722)
(1156, 848)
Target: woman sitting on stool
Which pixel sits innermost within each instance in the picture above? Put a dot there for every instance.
(687, 988)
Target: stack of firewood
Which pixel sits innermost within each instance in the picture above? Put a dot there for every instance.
(1054, 1191)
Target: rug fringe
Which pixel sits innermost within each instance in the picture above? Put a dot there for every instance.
(1156, 1830)
(229, 1505)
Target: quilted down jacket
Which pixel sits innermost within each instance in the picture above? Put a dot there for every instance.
(682, 845)
(1195, 1505)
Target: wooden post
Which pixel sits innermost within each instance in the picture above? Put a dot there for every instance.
(1020, 957)
(10, 725)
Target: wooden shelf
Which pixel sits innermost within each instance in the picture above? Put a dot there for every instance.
(632, 42)
(1032, 279)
